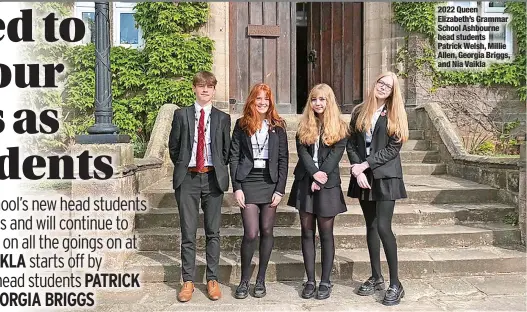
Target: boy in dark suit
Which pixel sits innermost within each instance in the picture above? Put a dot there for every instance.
(199, 148)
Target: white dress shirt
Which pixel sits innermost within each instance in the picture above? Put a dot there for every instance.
(208, 155)
(260, 142)
(315, 152)
(369, 134)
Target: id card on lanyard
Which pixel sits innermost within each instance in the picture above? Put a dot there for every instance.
(259, 163)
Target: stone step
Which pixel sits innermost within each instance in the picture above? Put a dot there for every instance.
(348, 265)
(437, 189)
(406, 156)
(288, 238)
(404, 214)
(413, 134)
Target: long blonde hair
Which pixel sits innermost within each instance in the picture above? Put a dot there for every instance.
(334, 128)
(397, 119)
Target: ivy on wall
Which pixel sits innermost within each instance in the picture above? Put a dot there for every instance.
(142, 80)
(419, 17)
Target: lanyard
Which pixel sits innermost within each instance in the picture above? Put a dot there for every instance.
(258, 143)
(206, 124)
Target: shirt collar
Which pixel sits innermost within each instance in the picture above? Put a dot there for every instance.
(198, 107)
(380, 109)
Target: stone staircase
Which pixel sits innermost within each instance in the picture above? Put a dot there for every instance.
(447, 226)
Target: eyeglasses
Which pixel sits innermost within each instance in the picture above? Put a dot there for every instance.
(383, 84)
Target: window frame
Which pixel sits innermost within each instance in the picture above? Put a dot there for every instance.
(84, 7)
(117, 9)
(489, 9)
(124, 8)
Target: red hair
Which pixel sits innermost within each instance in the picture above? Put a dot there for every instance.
(251, 120)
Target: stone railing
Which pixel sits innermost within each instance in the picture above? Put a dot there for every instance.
(505, 174)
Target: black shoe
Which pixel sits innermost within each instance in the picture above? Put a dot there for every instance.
(242, 291)
(369, 287)
(259, 289)
(393, 295)
(324, 290)
(309, 290)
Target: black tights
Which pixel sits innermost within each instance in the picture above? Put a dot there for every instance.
(378, 216)
(252, 224)
(325, 229)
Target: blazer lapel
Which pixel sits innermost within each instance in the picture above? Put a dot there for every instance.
(191, 116)
(272, 142)
(249, 144)
(382, 119)
(214, 122)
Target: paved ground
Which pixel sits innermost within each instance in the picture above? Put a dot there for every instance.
(476, 293)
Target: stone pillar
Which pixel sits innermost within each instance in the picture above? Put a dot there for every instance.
(522, 215)
(217, 29)
(382, 39)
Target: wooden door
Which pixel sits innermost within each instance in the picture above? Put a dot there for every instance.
(335, 50)
(262, 49)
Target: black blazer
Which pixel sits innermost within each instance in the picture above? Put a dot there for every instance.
(182, 137)
(384, 159)
(242, 161)
(328, 161)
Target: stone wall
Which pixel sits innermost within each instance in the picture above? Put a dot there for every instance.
(503, 173)
(217, 29)
(479, 113)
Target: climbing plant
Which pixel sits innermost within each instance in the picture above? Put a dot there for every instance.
(142, 79)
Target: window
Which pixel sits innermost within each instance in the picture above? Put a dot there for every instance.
(125, 32)
(490, 9)
(86, 12)
(494, 7)
(504, 35)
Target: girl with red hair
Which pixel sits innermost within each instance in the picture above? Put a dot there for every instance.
(258, 162)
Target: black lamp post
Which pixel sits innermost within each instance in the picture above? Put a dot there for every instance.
(103, 131)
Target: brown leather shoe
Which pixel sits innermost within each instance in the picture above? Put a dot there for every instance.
(186, 292)
(213, 288)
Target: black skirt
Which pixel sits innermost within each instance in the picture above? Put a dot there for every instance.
(328, 202)
(257, 187)
(381, 189)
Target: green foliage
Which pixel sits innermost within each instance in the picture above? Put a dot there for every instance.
(486, 148)
(142, 80)
(420, 17)
(170, 18)
(507, 142)
(416, 16)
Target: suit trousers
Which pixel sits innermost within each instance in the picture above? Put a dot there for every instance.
(196, 187)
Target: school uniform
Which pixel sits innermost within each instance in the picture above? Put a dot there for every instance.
(329, 200)
(382, 152)
(259, 163)
(199, 147)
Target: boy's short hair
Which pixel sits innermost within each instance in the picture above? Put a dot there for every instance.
(204, 77)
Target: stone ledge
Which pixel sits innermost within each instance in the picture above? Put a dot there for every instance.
(148, 163)
(454, 145)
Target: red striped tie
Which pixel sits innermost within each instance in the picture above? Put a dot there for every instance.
(200, 155)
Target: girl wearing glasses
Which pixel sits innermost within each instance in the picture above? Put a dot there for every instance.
(258, 163)
(316, 192)
(378, 129)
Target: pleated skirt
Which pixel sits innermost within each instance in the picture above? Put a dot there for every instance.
(327, 202)
(381, 189)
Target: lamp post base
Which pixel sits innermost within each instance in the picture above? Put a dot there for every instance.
(102, 138)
